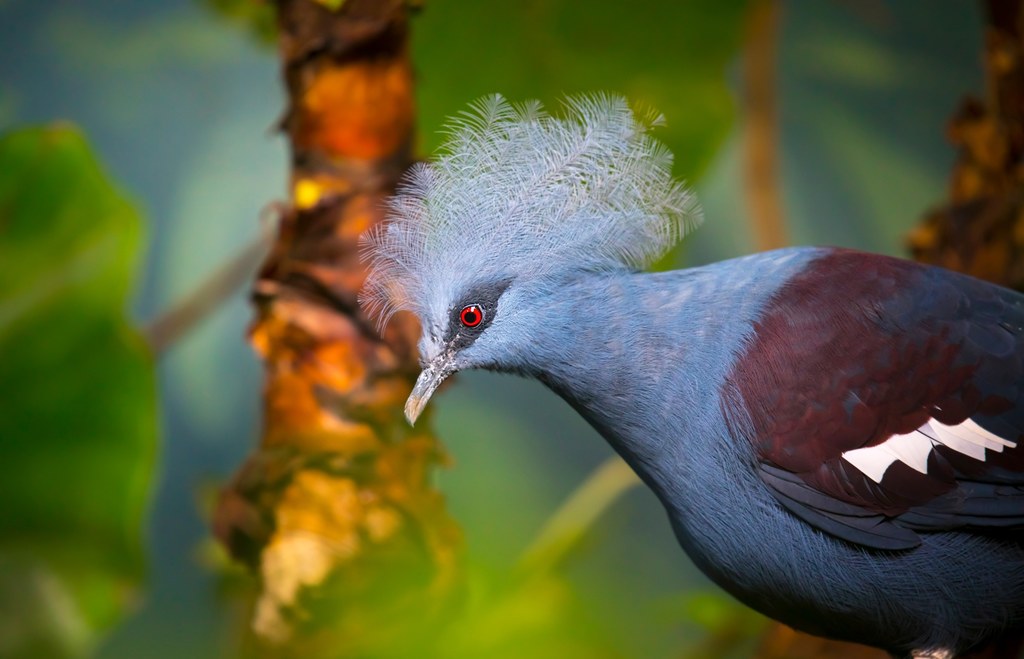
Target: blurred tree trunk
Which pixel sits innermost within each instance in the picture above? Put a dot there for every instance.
(980, 231)
(334, 509)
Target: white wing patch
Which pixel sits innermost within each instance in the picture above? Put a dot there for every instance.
(913, 448)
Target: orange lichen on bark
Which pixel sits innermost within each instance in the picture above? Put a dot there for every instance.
(336, 502)
(361, 111)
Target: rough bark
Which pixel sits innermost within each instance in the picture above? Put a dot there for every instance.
(980, 228)
(334, 509)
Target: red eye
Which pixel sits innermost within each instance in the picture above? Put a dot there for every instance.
(471, 315)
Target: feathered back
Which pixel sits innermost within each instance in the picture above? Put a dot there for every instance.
(515, 192)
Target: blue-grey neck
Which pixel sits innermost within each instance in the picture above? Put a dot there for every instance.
(609, 342)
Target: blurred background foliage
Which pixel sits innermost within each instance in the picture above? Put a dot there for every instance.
(178, 100)
(78, 421)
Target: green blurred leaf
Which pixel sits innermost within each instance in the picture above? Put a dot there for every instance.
(671, 56)
(77, 404)
(539, 617)
(713, 611)
(333, 5)
(254, 16)
(731, 630)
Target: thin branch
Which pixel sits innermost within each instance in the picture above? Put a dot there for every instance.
(564, 529)
(761, 126)
(172, 324)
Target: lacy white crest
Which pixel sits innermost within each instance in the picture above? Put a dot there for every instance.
(515, 192)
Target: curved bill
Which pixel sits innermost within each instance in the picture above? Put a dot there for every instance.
(428, 381)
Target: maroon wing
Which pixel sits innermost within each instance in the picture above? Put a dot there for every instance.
(920, 368)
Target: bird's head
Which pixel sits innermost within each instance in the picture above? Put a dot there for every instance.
(516, 203)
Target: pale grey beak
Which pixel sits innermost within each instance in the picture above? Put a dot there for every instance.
(428, 381)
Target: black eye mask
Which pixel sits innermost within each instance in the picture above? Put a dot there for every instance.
(485, 297)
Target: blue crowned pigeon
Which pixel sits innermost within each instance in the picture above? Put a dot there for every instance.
(834, 435)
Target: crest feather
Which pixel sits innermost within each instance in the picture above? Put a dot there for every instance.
(515, 192)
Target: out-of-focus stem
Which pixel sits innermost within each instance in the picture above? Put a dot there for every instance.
(172, 324)
(761, 126)
(564, 529)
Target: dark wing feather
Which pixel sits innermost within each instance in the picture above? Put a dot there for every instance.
(858, 348)
(850, 522)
